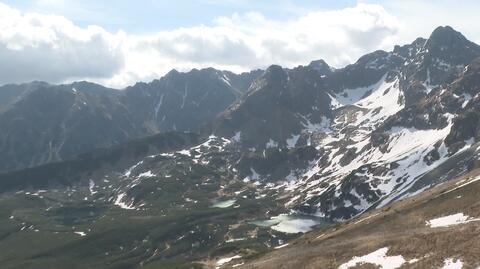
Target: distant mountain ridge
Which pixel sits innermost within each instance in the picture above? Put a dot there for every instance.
(43, 123)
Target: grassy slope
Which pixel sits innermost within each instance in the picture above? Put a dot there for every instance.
(401, 227)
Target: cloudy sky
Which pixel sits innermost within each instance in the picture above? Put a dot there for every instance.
(119, 42)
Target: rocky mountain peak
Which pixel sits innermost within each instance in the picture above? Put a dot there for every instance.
(321, 67)
(449, 47)
(274, 72)
(172, 73)
(445, 35)
(441, 59)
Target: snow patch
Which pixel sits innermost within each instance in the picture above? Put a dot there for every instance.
(224, 204)
(121, 204)
(237, 137)
(450, 220)
(466, 97)
(91, 186)
(129, 170)
(450, 264)
(158, 105)
(185, 152)
(351, 96)
(271, 144)
(223, 261)
(312, 128)
(82, 234)
(291, 142)
(282, 246)
(226, 80)
(378, 257)
(146, 174)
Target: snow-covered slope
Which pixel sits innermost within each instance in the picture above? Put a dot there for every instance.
(380, 126)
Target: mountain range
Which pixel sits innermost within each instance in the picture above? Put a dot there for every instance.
(45, 123)
(211, 169)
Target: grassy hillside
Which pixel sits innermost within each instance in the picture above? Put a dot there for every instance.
(402, 228)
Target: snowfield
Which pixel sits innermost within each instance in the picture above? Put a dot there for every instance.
(224, 204)
(451, 264)
(404, 159)
(223, 261)
(378, 257)
(450, 220)
(119, 201)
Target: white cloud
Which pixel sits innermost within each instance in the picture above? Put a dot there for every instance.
(47, 47)
(419, 18)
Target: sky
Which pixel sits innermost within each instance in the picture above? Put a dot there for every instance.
(119, 42)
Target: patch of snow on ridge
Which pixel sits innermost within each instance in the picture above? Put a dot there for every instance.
(91, 186)
(414, 166)
(450, 264)
(184, 96)
(146, 174)
(121, 204)
(185, 152)
(158, 105)
(352, 96)
(467, 97)
(82, 234)
(291, 142)
(378, 257)
(334, 104)
(224, 204)
(237, 137)
(464, 183)
(129, 170)
(450, 220)
(254, 176)
(322, 127)
(427, 83)
(282, 246)
(382, 103)
(197, 153)
(223, 261)
(271, 144)
(226, 80)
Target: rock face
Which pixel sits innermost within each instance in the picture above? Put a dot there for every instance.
(276, 110)
(12, 92)
(185, 101)
(51, 123)
(43, 123)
